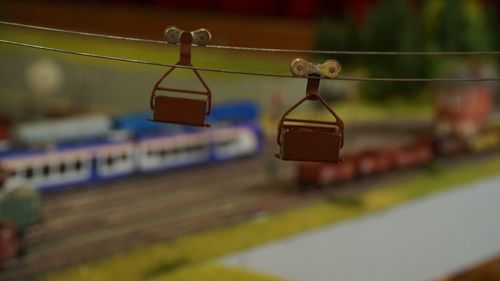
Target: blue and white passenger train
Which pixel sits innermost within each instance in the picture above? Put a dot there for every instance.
(125, 145)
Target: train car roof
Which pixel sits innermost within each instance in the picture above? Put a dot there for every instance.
(82, 144)
(220, 115)
(137, 124)
(235, 111)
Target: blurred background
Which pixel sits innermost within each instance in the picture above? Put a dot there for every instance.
(86, 175)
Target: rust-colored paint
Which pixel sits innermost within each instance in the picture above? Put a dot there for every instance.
(9, 243)
(179, 111)
(308, 143)
(309, 140)
(184, 111)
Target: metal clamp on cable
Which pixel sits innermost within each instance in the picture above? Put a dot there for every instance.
(201, 37)
(302, 68)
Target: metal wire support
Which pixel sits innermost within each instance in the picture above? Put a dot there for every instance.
(329, 69)
(271, 50)
(236, 72)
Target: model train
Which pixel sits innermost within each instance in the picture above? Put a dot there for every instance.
(19, 209)
(69, 152)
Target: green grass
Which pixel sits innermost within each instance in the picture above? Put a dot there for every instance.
(186, 258)
(213, 272)
(168, 54)
(359, 112)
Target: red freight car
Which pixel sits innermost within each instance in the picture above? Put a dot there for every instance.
(376, 161)
(8, 241)
(365, 163)
(327, 173)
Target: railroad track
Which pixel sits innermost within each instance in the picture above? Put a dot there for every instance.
(92, 247)
(126, 189)
(102, 213)
(93, 222)
(89, 223)
(246, 202)
(106, 241)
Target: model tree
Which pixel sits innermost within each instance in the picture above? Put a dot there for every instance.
(340, 35)
(460, 25)
(393, 26)
(324, 36)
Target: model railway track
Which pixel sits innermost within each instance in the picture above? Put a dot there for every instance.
(90, 223)
(120, 190)
(94, 222)
(192, 218)
(78, 250)
(106, 213)
(91, 209)
(97, 221)
(136, 214)
(106, 243)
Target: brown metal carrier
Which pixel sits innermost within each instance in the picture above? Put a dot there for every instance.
(310, 140)
(181, 110)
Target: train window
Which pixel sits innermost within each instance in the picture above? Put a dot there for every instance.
(62, 168)
(78, 165)
(163, 152)
(46, 170)
(109, 161)
(29, 172)
(225, 143)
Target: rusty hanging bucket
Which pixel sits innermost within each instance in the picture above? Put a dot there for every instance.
(181, 110)
(310, 140)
